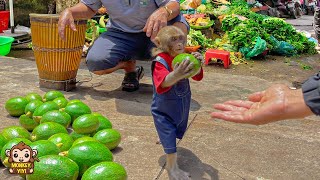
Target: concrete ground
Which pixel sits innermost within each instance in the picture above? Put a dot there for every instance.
(211, 149)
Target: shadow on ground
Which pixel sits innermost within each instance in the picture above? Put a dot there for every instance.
(190, 163)
(5, 174)
(124, 102)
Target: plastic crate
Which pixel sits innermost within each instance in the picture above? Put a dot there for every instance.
(4, 20)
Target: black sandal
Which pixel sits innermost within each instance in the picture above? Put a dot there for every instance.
(130, 82)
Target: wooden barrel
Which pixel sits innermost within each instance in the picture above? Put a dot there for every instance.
(57, 60)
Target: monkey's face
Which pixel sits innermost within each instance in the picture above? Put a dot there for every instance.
(21, 156)
(171, 40)
(176, 45)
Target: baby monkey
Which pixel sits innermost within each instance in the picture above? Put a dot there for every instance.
(171, 95)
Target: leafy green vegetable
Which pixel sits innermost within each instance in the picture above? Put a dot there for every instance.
(229, 22)
(92, 31)
(243, 34)
(283, 31)
(224, 43)
(191, 41)
(91, 23)
(196, 35)
(306, 67)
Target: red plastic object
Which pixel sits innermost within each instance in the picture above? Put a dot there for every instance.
(219, 54)
(264, 53)
(4, 20)
(264, 8)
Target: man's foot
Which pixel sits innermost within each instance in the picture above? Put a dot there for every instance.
(130, 82)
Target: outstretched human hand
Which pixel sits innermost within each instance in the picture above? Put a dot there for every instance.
(276, 103)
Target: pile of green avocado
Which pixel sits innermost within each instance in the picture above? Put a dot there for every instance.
(72, 142)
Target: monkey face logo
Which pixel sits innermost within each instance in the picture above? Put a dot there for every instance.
(21, 158)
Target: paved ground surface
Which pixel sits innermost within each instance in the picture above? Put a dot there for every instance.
(211, 149)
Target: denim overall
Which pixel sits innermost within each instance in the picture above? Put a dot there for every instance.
(170, 111)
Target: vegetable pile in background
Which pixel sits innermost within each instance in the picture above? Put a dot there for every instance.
(245, 31)
(230, 26)
(94, 29)
(265, 27)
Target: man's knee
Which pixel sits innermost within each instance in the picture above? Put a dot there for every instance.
(92, 61)
(99, 64)
(100, 67)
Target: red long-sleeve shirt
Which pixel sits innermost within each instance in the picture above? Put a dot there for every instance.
(160, 72)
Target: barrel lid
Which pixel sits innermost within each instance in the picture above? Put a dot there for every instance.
(44, 15)
(53, 18)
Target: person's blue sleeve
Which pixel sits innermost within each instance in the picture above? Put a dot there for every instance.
(161, 3)
(311, 93)
(93, 4)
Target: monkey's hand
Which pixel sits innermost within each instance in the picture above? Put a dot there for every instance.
(181, 71)
(200, 58)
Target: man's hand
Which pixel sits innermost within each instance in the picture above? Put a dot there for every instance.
(65, 19)
(155, 22)
(278, 102)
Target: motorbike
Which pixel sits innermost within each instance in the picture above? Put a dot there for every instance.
(310, 6)
(283, 8)
(294, 8)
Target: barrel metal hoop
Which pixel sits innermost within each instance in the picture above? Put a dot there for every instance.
(54, 20)
(55, 81)
(57, 49)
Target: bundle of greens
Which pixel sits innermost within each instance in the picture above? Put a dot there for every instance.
(224, 43)
(283, 31)
(196, 37)
(244, 10)
(191, 41)
(229, 22)
(92, 31)
(243, 34)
